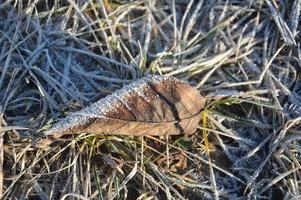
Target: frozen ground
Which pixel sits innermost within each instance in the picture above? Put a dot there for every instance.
(58, 56)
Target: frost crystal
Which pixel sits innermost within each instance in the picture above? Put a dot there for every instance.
(109, 103)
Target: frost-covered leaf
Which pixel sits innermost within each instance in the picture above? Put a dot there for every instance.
(154, 105)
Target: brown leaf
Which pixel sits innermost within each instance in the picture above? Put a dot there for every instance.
(154, 105)
(181, 162)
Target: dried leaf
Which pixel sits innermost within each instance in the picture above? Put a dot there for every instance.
(180, 162)
(154, 105)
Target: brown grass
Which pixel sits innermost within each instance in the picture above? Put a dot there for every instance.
(58, 56)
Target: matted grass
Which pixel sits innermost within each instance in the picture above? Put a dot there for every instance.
(58, 56)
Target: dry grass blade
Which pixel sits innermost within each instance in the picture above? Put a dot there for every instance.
(274, 145)
(285, 31)
(277, 179)
(1, 165)
(295, 16)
